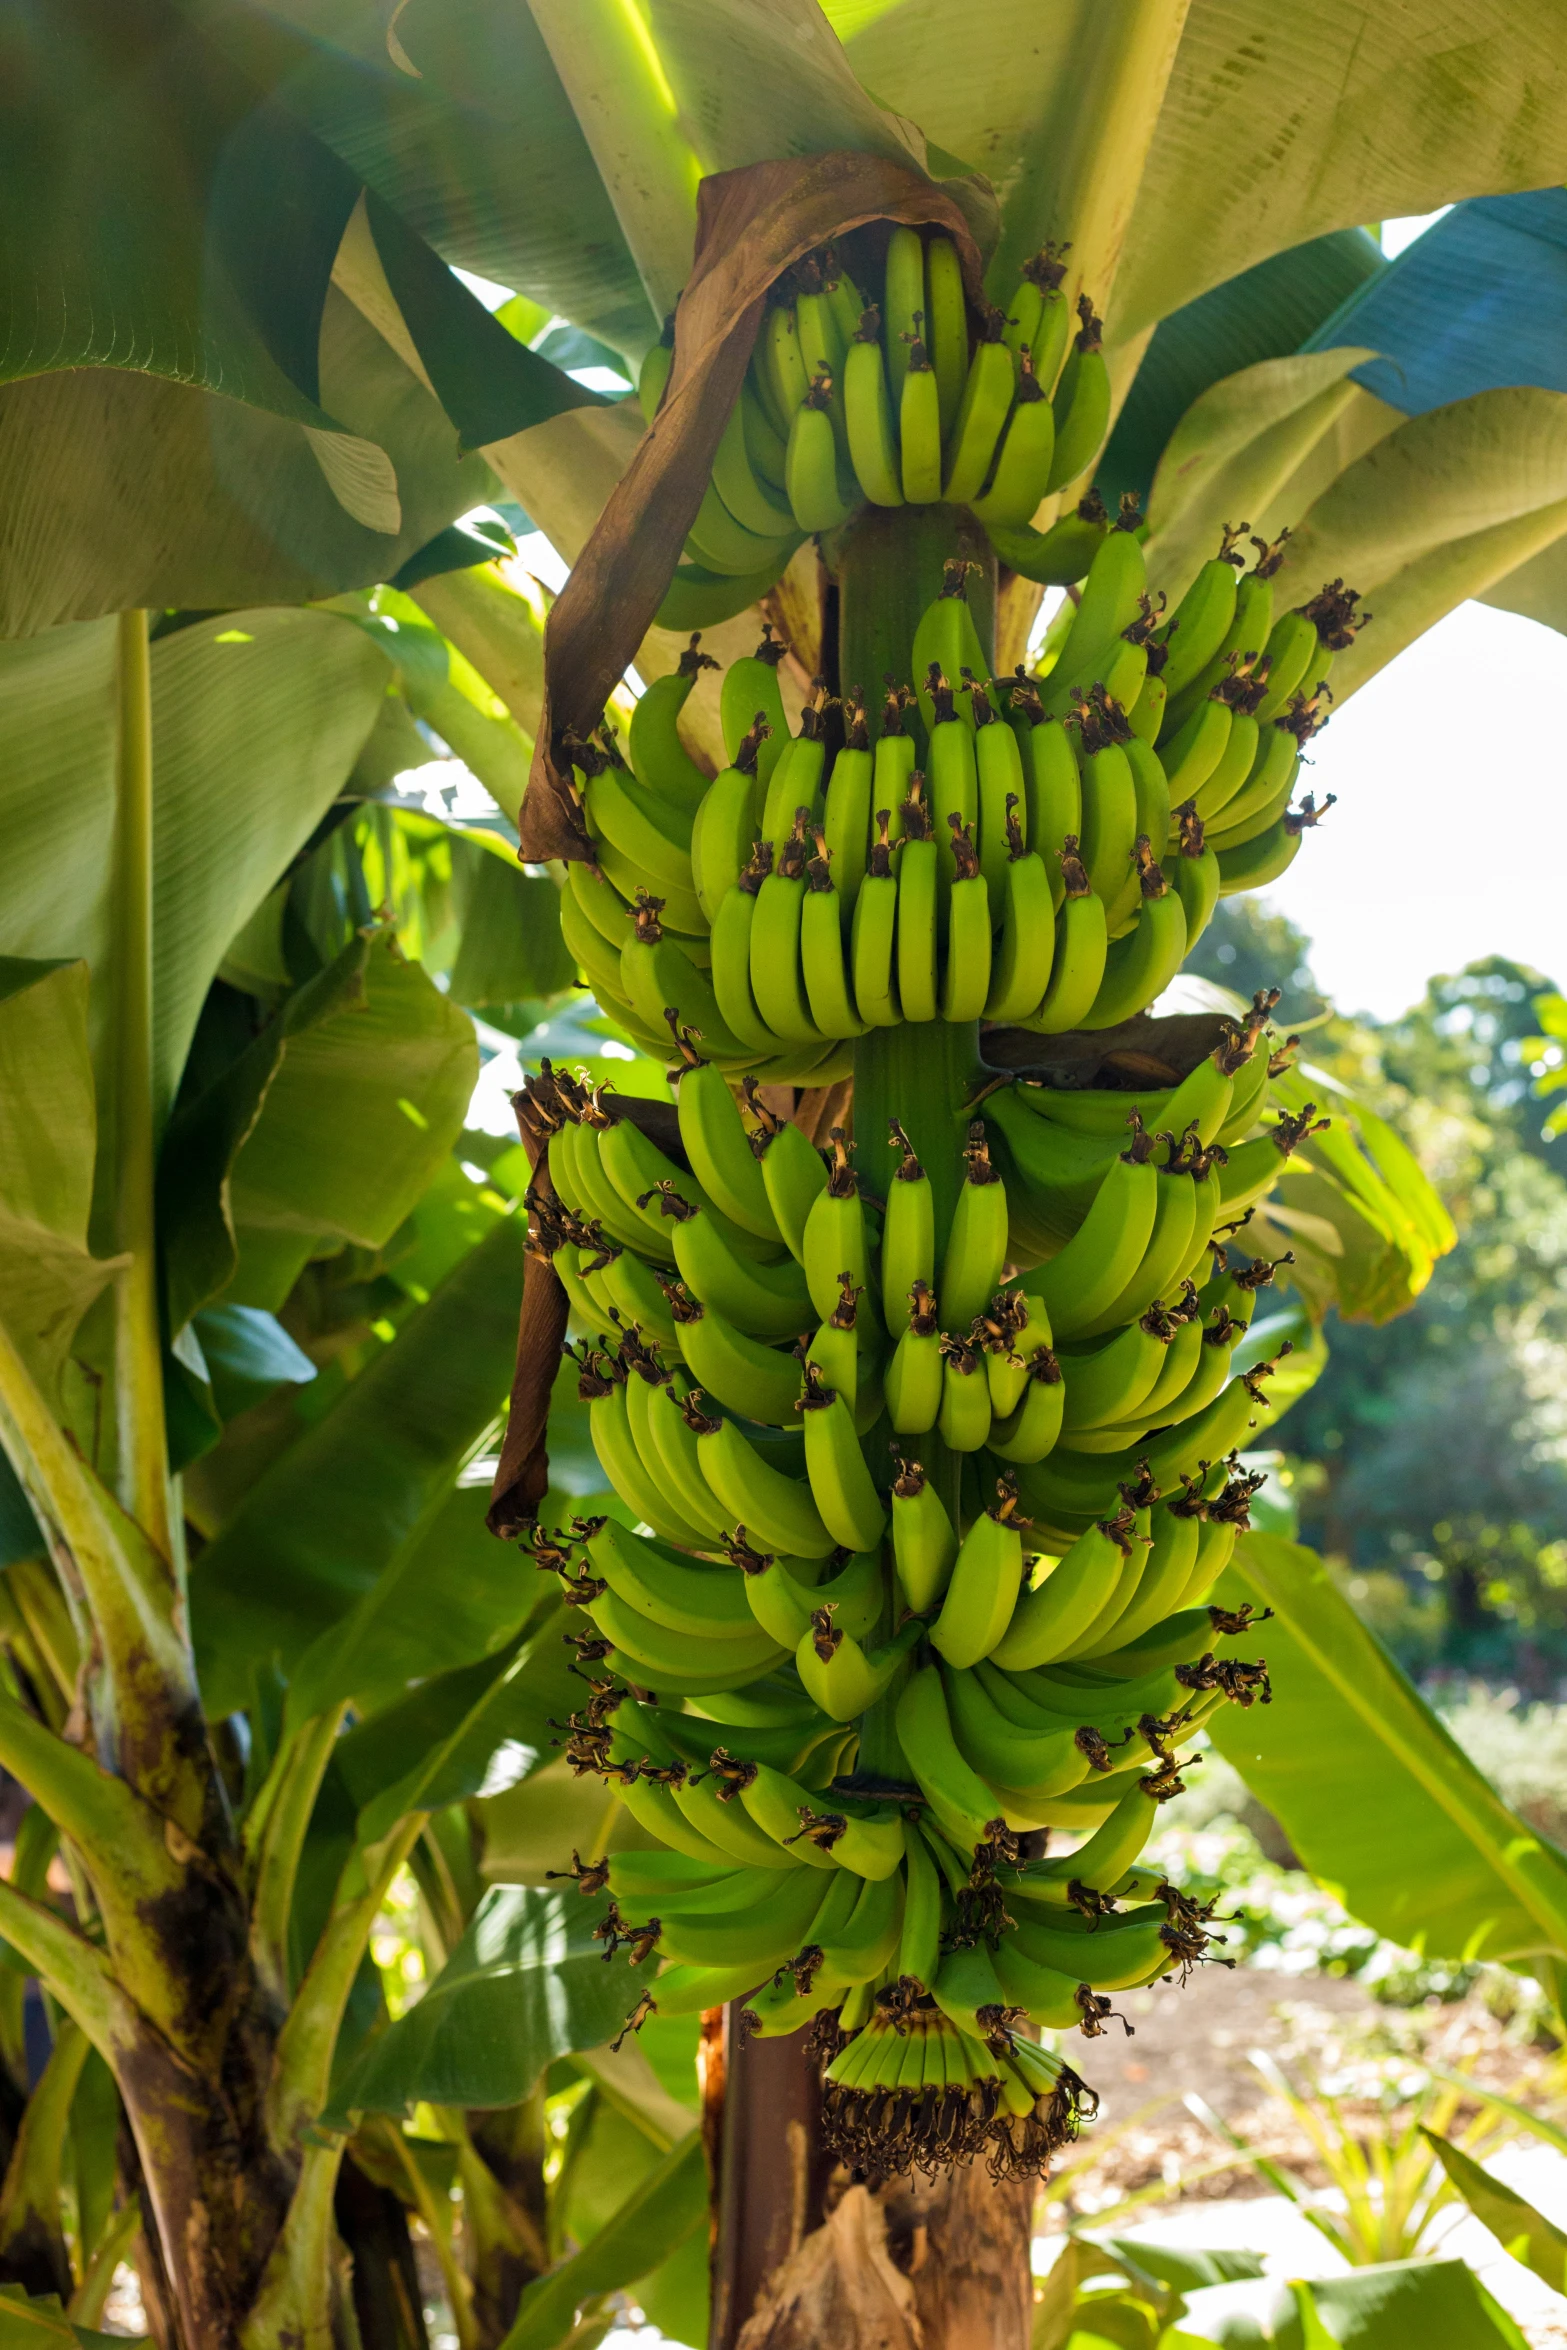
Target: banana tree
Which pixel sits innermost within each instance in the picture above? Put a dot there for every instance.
(293, 402)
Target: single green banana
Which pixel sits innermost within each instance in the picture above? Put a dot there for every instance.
(731, 945)
(908, 1241)
(1057, 556)
(811, 467)
(919, 429)
(983, 1588)
(699, 598)
(834, 1245)
(946, 328)
(873, 932)
(963, 1806)
(842, 1677)
(952, 779)
(1050, 1616)
(1190, 755)
(784, 1594)
(759, 1933)
(725, 829)
(916, 1373)
(784, 366)
(1139, 968)
(919, 1944)
(793, 1171)
(822, 960)
(1034, 1426)
(750, 691)
(1112, 594)
(767, 1300)
(1097, 1262)
(1197, 877)
(715, 1141)
(977, 1244)
(1082, 944)
(965, 980)
(659, 758)
(1025, 457)
(1001, 803)
(964, 1419)
(858, 1952)
(777, 1507)
(1201, 620)
(797, 776)
(918, 880)
(986, 400)
(903, 306)
(1082, 401)
(947, 637)
(777, 976)
(841, 1486)
(873, 437)
(924, 1544)
(1109, 806)
(1020, 970)
(847, 822)
(1052, 784)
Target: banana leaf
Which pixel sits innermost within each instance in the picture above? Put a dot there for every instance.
(526, 1984)
(1376, 1797)
(1392, 2306)
(1268, 312)
(1521, 2230)
(48, 1273)
(327, 1130)
(257, 719)
(317, 1528)
(669, 2207)
(451, 1597)
(43, 2325)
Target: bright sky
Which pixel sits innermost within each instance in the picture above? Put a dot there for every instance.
(1449, 839)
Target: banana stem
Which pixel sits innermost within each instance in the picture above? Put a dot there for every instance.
(888, 562)
(141, 1458)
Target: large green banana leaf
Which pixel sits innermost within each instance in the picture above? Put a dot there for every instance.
(1521, 2230)
(273, 704)
(326, 1131)
(318, 1527)
(1378, 1800)
(1270, 131)
(48, 1273)
(527, 1983)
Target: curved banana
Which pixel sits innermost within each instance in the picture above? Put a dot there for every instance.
(977, 1244)
(1082, 401)
(659, 758)
(867, 404)
(841, 1486)
(916, 1373)
(982, 1591)
(965, 980)
(873, 932)
(924, 1545)
(986, 400)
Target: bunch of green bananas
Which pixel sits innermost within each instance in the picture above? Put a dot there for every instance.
(908, 399)
(1049, 866)
(860, 1707)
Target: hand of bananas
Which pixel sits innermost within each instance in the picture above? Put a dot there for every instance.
(905, 399)
(1050, 865)
(866, 1699)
